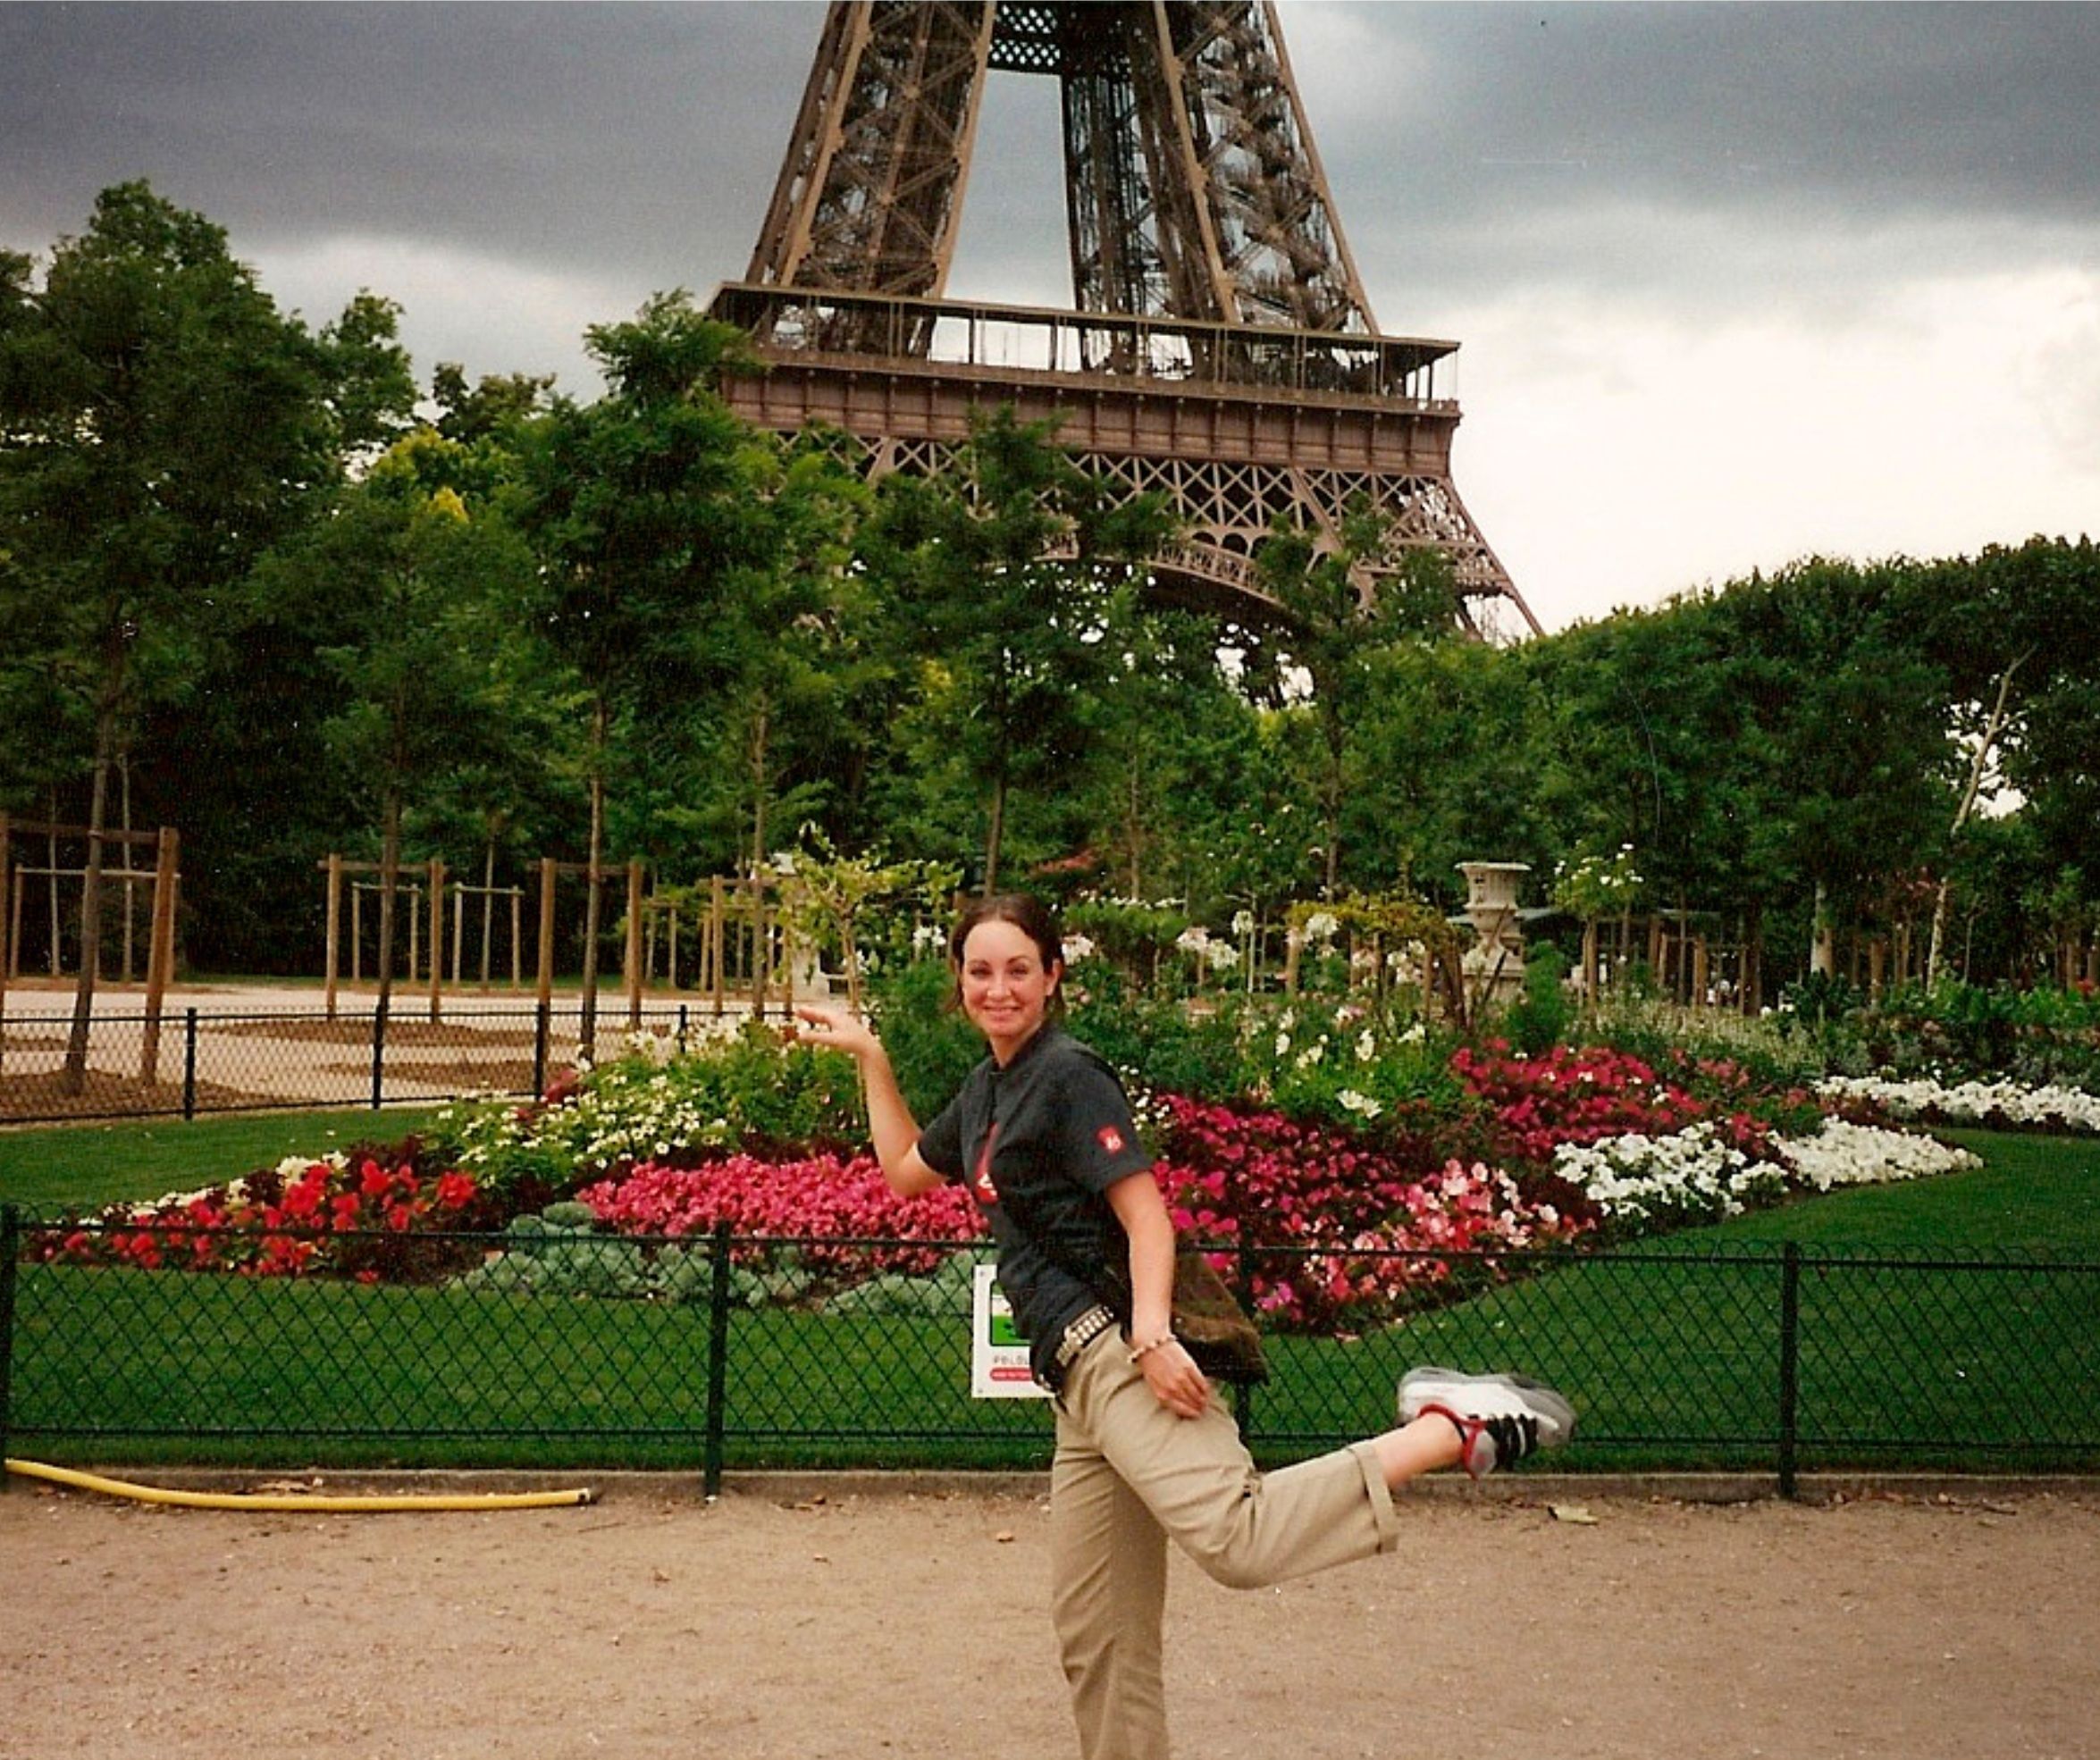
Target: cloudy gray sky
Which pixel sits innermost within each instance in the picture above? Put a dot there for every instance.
(1734, 283)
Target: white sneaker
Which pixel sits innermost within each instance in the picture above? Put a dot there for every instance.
(1501, 1418)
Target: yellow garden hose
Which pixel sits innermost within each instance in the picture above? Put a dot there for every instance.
(326, 1506)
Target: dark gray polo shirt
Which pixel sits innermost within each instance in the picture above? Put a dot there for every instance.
(1038, 1145)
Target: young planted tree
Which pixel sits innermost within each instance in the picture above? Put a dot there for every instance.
(416, 588)
(161, 423)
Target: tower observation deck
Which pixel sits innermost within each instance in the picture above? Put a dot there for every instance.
(1220, 348)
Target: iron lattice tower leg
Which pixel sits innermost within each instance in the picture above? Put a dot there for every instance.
(1194, 194)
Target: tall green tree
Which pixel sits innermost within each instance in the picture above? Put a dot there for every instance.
(1345, 601)
(161, 423)
(649, 509)
(1008, 574)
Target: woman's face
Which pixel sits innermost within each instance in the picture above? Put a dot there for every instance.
(1006, 990)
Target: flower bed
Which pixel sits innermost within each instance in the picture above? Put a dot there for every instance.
(1567, 1095)
(344, 1216)
(1371, 1157)
(814, 1199)
(653, 1104)
(1232, 1174)
(1642, 1184)
(2008, 1104)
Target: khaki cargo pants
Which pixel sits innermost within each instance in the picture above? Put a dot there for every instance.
(1127, 1476)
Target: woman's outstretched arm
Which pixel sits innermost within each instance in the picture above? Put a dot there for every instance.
(889, 1120)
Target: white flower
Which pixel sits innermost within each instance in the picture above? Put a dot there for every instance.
(1283, 1045)
(1362, 1104)
(2071, 1109)
(1636, 1178)
(1850, 1154)
(1221, 956)
(1323, 926)
(1366, 1046)
(928, 939)
(1077, 948)
(1243, 922)
(1193, 940)
(1311, 1055)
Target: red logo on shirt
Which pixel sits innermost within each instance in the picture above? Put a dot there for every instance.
(1111, 1139)
(980, 1183)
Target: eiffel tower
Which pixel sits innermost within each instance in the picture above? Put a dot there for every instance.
(1219, 347)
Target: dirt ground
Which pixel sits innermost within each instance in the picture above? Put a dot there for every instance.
(851, 1627)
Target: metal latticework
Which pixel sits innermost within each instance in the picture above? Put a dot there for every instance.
(1194, 194)
(572, 1348)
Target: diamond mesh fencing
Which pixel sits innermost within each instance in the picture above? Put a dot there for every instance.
(184, 1063)
(714, 1352)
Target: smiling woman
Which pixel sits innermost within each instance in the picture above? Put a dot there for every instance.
(1042, 1137)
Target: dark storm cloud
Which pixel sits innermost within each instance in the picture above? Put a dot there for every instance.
(1581, 143)
(1472, 137)
(1937, 108)
(568, 135)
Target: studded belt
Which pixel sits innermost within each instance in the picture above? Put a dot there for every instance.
(1082, 1332)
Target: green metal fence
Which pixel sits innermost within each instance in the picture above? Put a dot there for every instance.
(594, 1350)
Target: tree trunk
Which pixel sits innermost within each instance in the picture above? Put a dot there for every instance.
(761, 729)
(1332, 806)
(488, 903)
(1822, 940)
(75, 1077)
(996, 832)
(593, 891)
(1133, 827)
(390, 881)
(1995, 727)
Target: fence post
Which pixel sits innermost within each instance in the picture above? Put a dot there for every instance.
(189, 1063)
(1789, 1365)
(10, 1252)
(684, 1024)
(378, 1058)
(1243, 1391)
(718, 1364)
(542, 1027)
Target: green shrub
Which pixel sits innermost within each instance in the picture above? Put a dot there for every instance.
(1538, 1021)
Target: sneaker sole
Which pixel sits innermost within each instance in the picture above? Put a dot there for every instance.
(1447, 1387)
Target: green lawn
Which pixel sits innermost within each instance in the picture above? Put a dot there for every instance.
(1671, 1348)
(62, 1166)
(2038, 1193)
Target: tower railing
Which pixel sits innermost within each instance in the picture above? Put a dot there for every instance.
(1394, 371)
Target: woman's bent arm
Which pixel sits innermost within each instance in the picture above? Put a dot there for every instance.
(1170, 1372)
(890, 1122)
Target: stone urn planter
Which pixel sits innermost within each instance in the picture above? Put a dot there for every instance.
(1494, 964)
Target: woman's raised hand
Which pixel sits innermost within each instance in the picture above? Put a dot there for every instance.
(834, 1029)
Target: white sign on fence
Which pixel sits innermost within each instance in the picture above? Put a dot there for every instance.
(999, 1354)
